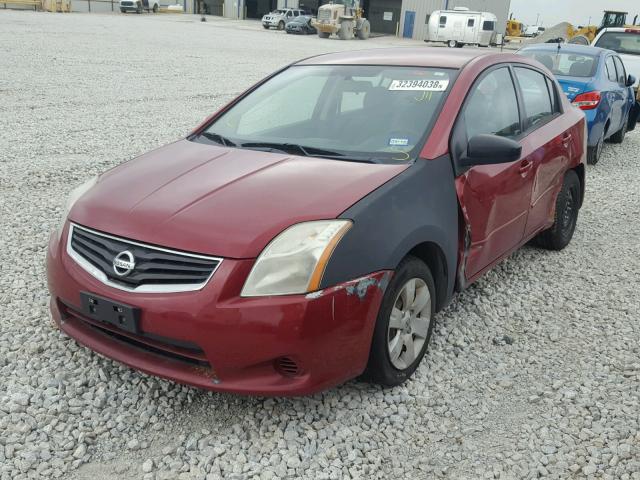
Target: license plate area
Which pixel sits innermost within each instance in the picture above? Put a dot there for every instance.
(104, 310)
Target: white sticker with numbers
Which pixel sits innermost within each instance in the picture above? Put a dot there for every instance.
(420, 85)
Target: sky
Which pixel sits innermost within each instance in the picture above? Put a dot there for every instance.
(576, 12)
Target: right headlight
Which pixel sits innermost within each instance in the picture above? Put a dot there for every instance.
(294, 261)
(73, 197)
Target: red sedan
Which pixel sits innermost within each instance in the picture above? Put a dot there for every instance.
(308, 232)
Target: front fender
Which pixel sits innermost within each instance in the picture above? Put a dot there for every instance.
(419, 205)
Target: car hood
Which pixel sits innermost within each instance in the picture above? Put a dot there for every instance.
(573, 86)
(222, 201)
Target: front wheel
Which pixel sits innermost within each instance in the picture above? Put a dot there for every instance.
(122, 10)
(346, 30)
(452, 44)
(155, 8)
(403, 326)
(566, 215)
(281, 25)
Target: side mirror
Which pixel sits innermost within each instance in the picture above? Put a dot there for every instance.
(631, 80)
(490, 149)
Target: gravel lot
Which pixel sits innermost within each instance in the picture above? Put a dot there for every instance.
(533, 372)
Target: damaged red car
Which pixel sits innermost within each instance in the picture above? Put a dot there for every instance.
(309, 231)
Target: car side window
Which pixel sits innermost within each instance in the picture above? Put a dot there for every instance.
(555, 106)
(535, 96)
(492, 107)
(611, 69)
(289, 13)
(622, 74)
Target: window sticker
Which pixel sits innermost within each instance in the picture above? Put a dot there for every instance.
(398, 142)
(420, 85)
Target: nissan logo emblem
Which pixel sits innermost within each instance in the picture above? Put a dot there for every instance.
(124, 263)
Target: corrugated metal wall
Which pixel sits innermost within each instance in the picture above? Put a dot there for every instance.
(424, 7)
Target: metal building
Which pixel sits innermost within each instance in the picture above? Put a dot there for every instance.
(406, 18)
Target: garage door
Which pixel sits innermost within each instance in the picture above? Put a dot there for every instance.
(383, 15)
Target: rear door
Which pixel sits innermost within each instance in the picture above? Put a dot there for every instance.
(612, 96)
(494, 199)
(545, 143)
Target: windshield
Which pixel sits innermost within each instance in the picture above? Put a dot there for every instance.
(565, 63)
(621, 42)
(367, 113)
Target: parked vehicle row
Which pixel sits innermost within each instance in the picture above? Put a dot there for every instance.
(308, 232)
(596, 81)
(279, 18)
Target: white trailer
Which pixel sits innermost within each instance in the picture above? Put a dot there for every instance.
(460, 26)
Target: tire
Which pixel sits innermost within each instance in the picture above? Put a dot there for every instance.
(593, 153)
(155, 8)
(566, 215)
(346, 30)
(266, 27)
(386, 366)
(323, 34)
(122, 10)
(618, 137)
(281, 25)
(364, 30)
(139, 9)
(452, 44)
(633, 116)
(460, 45)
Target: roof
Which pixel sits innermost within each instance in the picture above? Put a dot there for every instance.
(402, 56)
(566, 48)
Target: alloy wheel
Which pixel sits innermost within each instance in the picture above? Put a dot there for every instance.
(409, 323)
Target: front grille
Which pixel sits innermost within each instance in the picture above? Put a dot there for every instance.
(126, 4)
(324, 15)
(154, 269)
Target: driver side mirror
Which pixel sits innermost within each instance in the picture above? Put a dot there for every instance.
(630, 80)
(487, 149)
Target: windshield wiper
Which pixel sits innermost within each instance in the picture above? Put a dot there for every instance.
(218, 139)
(293, 148)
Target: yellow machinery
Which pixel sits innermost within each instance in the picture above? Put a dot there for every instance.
(585, 35)
(514, 28)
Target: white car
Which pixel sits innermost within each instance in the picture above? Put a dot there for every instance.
(139, 6)
(625, 41)
(279, 18)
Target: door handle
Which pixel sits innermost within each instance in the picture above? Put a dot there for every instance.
(525, 166)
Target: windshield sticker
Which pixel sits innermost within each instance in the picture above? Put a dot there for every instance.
(420, 85)
(398, 142)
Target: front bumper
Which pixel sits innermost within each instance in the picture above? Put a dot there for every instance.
(325, 26)
(217, 340)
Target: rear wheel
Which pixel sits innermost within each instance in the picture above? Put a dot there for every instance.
(323, 34)
(593, 153)
(452, 44)
(346, 30)
(404, 324)
(618, 137)
(566, 215)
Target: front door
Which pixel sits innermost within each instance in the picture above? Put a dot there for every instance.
(494, 198)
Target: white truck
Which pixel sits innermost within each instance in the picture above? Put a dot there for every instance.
(279, 18)
(625, 41)
(139, 6)
(461, 26)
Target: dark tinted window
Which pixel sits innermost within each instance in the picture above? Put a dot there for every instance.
(443, 20)
(621, 42)
(493, 107)
(470, 22)
(611, 69)
(622, 74)
(535, 95)
(488, 25)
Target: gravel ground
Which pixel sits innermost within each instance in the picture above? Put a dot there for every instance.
(534, 371)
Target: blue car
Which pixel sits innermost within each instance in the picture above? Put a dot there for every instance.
(594, 80)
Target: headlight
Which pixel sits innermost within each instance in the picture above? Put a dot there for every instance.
(73, 197)
(295, 260)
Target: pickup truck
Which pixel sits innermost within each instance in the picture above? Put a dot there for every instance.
(139, 6)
